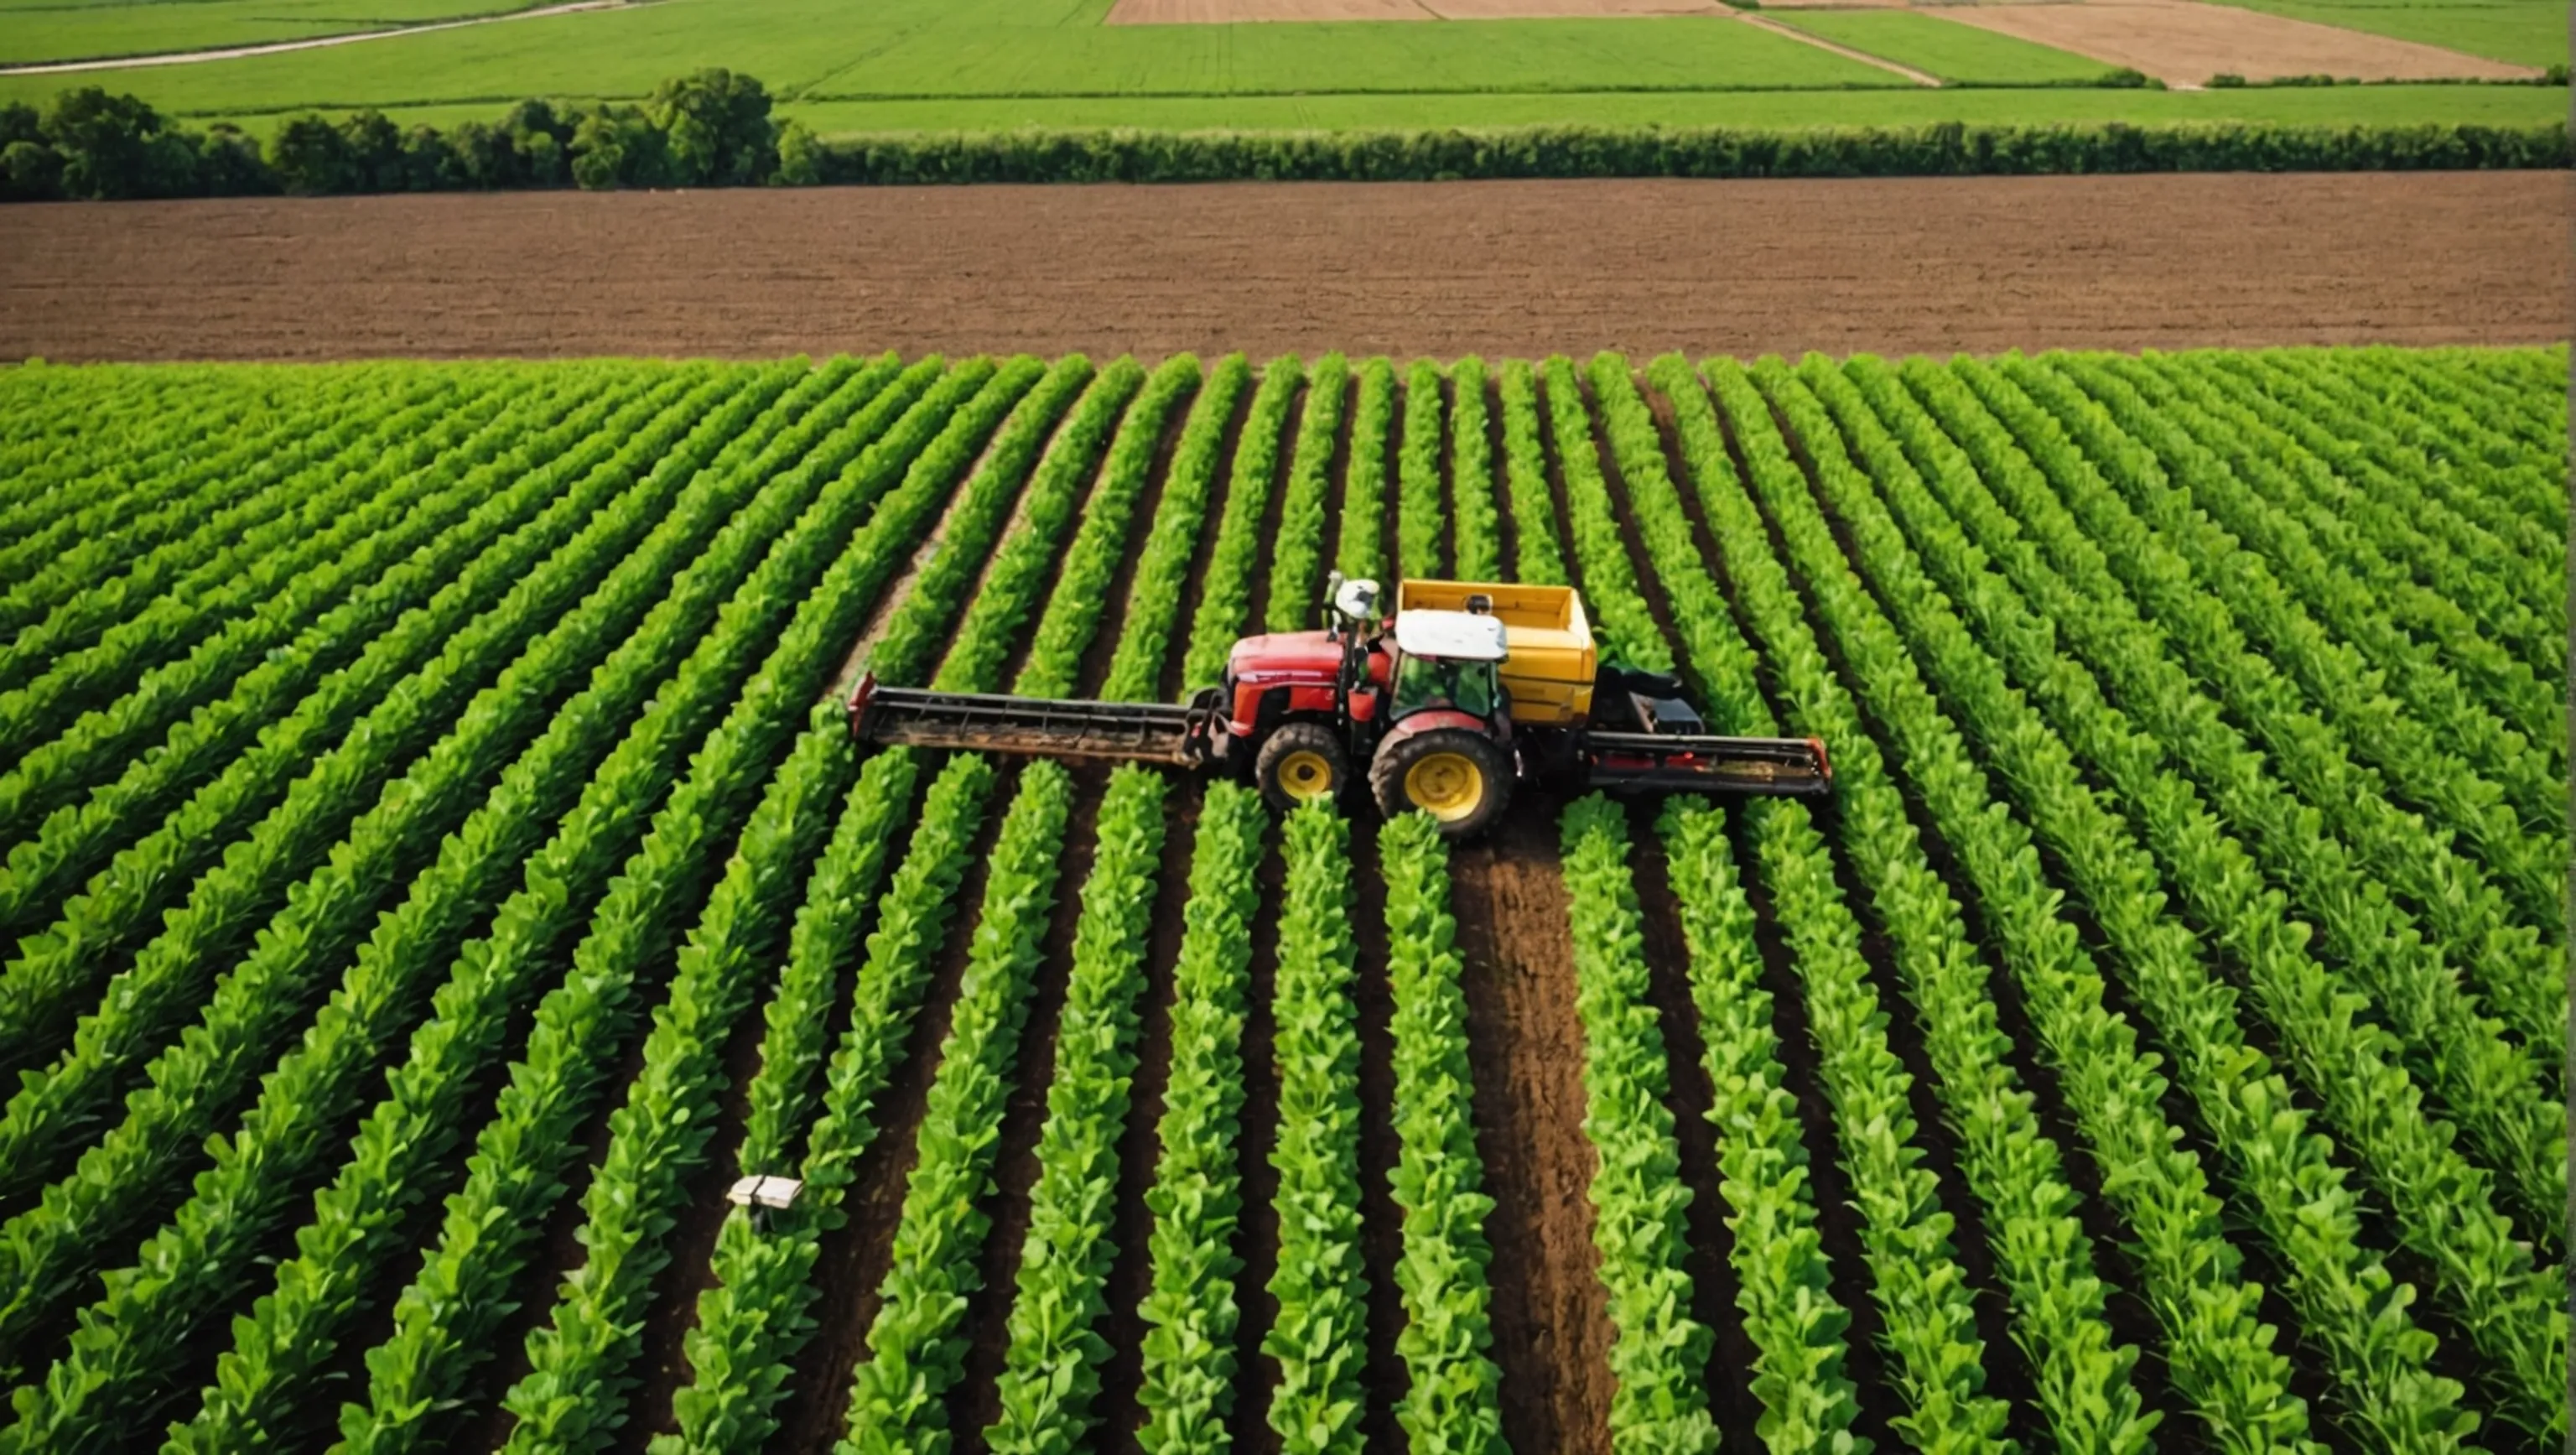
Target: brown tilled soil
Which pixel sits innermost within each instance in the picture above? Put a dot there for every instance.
(1525, 1047)
(1440, 268)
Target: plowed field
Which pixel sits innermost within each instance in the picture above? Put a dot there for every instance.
(1506, 267)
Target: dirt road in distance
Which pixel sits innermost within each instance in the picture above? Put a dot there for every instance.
(1443, 269)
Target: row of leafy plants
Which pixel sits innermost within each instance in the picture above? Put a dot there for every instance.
(444, 583)
(1319, 1337)
(519, 1169)
(2496, 1092)
(2296, 1193)
(1916, 1280)
(917, 1344)
(721, 616)
(1234, 561)
(1361, 549)
(573, 1395)
(279, 791)
(96, 646)
(259, 1169)
(1476, 544)
(1305, 504)
(2012, 1167)
(1421, 521)
(2019, 452)
(1451, 1401)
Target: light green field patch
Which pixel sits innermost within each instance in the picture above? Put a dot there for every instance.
(57, 31)
(2525, 32)
(1957, 54)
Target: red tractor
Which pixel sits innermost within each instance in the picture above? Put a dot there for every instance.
(1467, 689)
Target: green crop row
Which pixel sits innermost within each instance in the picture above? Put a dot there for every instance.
(897, 1397)
(1658, 1355)
(2350, 1303)
(2219, 1356)
(2117, 487)
(755, 1317)
(1190, 1314)
(1540, 559)
(2440, 1201)
(245, 676)
(1225, 594)
(147, 1003)
(1050, 1368)
(1082, 585)
(1361, 550)
(442, 1320)
(2213, 469)
(1297, 556)
(572, 1396)
(1783, 1280)
(43, 984)
(1154, 602)
(1320, 1337)
(1918, 1284)
(2496, 1092)
(2368, 537)
(2468, 915)
(2383, 475)
(928, 614)
(295, 792)
(249, 603)
(2007, 1159)
(2489, 475)
(317, 1085)
(1016, 581)
(185, 1274)
(1478, 540)
(2300, 486)
(110, 635)
(83, 574)
(1450, 1402)
(1421, 522)
(1620, 617)
(80, 511)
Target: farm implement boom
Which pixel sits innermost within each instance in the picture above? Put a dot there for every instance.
(1465, 691)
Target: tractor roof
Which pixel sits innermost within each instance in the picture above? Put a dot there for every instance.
(1467, 636)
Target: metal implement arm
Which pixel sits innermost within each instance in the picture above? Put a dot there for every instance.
(1135, 732)
(1694, 763)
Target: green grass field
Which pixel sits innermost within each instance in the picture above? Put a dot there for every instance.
(2525, 32)
(53, 30)
(939, 64)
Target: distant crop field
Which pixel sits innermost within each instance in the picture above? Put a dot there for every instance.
(994, 64)
(439, 869)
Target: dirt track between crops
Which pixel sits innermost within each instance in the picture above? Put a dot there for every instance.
(1492, 267)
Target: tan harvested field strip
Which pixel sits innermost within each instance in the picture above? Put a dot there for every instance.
(2185, 42)
(1740, 267)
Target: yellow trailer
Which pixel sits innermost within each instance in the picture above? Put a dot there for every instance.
(1549, 662)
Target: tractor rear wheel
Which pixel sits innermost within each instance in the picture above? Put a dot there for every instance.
(1459, 778)
(1300, 762)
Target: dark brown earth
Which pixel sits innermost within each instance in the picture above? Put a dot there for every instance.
(1439, 268)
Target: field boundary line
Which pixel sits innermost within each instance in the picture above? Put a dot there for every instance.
(1764, 22)
(278, 47)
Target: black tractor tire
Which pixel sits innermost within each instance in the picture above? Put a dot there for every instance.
(1426, 773)
(1301, 761)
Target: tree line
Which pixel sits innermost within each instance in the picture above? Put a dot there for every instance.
(714, 128)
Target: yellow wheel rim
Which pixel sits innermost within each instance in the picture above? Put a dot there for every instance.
(1447, 786)
(1305, 775)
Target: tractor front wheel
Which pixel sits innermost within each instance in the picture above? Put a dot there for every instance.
(1300, 762)
(1459, 778)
